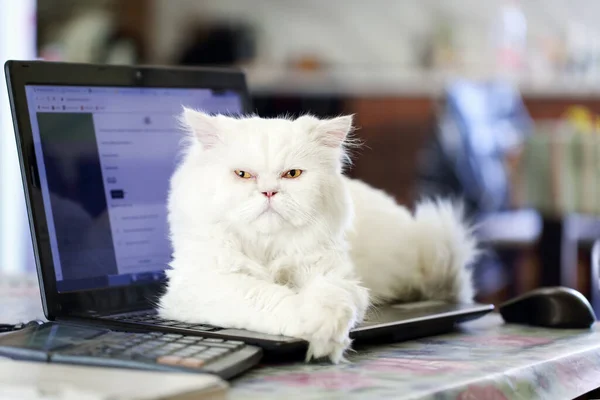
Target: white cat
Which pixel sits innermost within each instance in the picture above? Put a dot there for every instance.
(269, 235)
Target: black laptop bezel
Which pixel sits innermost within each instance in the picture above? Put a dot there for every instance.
(22, 73)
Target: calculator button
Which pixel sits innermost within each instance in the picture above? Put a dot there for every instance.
(161, 352)
(203, 356)
(214, 353)
(191, 363)
(222, 345)
(197, 348)
(182, 354)
(173, 346)
(169, 360)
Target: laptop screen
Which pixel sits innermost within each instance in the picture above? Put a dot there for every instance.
(105, 156)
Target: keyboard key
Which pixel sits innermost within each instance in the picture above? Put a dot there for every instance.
(173, 335)
(195, 339)
(187, 340)
(213, 340)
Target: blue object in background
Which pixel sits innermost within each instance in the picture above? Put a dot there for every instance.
(480, 124)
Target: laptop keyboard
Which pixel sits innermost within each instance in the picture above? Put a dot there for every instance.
(151, 318)
(166, 349)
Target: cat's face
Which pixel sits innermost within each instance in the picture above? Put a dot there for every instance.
(265, 175)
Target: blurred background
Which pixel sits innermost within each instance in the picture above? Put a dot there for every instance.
(496, 103)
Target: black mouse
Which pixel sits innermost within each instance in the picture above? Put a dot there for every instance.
(551, 307)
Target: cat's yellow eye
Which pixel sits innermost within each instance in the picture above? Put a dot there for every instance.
(292, 174)
(243, 174)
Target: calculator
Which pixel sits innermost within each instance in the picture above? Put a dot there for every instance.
(84, 345)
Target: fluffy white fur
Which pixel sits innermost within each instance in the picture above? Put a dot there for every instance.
(308, 261)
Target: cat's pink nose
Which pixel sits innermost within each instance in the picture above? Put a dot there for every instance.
(269, 194)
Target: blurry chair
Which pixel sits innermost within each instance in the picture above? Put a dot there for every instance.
(595, 284)
(480, 124)
(578, 231)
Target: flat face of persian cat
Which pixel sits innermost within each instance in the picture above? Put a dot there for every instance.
(263, 175)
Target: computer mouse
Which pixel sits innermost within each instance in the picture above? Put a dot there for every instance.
(550, 307)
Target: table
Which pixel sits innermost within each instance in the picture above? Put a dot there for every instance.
(484, 359)
(487, 359)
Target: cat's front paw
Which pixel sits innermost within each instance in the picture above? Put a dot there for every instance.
(322, 348)
(327, 328)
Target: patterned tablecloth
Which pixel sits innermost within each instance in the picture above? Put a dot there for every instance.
(484, 360)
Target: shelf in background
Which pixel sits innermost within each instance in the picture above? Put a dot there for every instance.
(386, 82)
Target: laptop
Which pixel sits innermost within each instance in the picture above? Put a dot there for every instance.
(97, 145)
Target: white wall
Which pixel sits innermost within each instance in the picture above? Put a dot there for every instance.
(17, 41)
(355, 32)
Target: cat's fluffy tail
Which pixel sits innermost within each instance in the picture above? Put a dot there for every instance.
(446, 250)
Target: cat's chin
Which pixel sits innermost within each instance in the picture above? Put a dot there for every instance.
(269, 222)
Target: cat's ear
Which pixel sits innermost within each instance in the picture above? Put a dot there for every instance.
(203, 126)
(333, 132)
